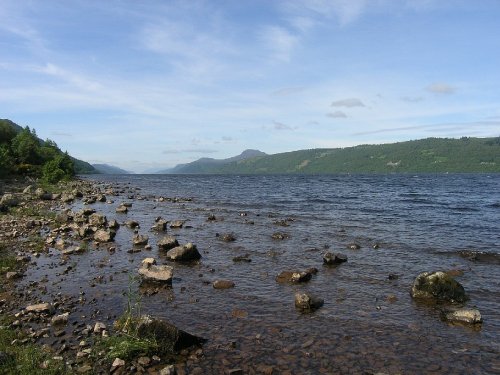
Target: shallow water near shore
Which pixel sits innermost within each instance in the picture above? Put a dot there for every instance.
(368, 323)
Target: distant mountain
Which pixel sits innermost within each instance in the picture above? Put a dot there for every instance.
(431, 155)
(109, 169)
(208, 165)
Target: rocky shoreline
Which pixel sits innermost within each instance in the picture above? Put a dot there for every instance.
(37, 224)
(54, 228)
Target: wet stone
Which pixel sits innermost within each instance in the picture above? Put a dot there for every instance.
(334, 259)
(167, 243)
(307, 302)
(223, 284)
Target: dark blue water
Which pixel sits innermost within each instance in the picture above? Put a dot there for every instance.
(368, 323)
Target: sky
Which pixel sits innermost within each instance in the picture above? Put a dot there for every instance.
(149, 84)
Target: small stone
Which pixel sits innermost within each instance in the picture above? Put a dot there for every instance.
(334, 259)
(117, 363)
(60, 319)
(223, 284)
(167, 243)
(140, 240)
(40, 308)
(169, 370)
(354, 246)
(99, 328)
(307, 302)
(144, 361)
(467, 316)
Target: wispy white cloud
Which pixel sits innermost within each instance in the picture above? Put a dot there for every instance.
(279, 41)
(344, 11)
(441, 88)
(412, 99)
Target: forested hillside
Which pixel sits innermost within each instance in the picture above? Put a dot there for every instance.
(431, 155)
(23, 153)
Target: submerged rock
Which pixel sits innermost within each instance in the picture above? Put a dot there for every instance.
(294, 276)
(334, 259)
(307, 302)
(464, 316)
(184, 253)
(151, 272)
(438, 286)
(223, 284)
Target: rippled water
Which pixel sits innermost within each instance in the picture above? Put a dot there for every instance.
(420, 223)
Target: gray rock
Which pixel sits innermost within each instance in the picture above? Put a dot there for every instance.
(97, 220)
(9, 200)
(169, 370)
(60, 319)
(294, 276)
(160, 225)
(223, 284)
(40, 308)
(307, 302)
(334, 259)
(176, 224)
(113, 224)
(149, 271)
(122, 209)
(140, 240)
(184, 253)
(104, 236)
(132, 224)
(438, 286)
(167, 336)
(167, 243)
(464, 316)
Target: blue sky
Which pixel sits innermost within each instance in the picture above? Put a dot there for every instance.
(150, 84)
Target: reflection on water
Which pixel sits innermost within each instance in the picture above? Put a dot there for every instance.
(368, 323)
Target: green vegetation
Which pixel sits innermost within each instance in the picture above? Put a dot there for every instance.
(25, 359)
(23, 153)
(431, 155)
(127, 344)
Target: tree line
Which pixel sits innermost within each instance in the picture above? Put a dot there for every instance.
(22, 153)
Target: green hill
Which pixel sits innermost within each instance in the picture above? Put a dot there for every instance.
(23, 153)
(431, 155)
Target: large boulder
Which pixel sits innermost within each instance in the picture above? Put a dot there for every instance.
(439, 287)
(167, 336)
(184, 253)
(149, 271)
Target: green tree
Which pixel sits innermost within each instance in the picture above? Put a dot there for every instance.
(57, 169)
(26, 147)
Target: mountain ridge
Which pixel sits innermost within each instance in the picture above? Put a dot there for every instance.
(429, 155)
